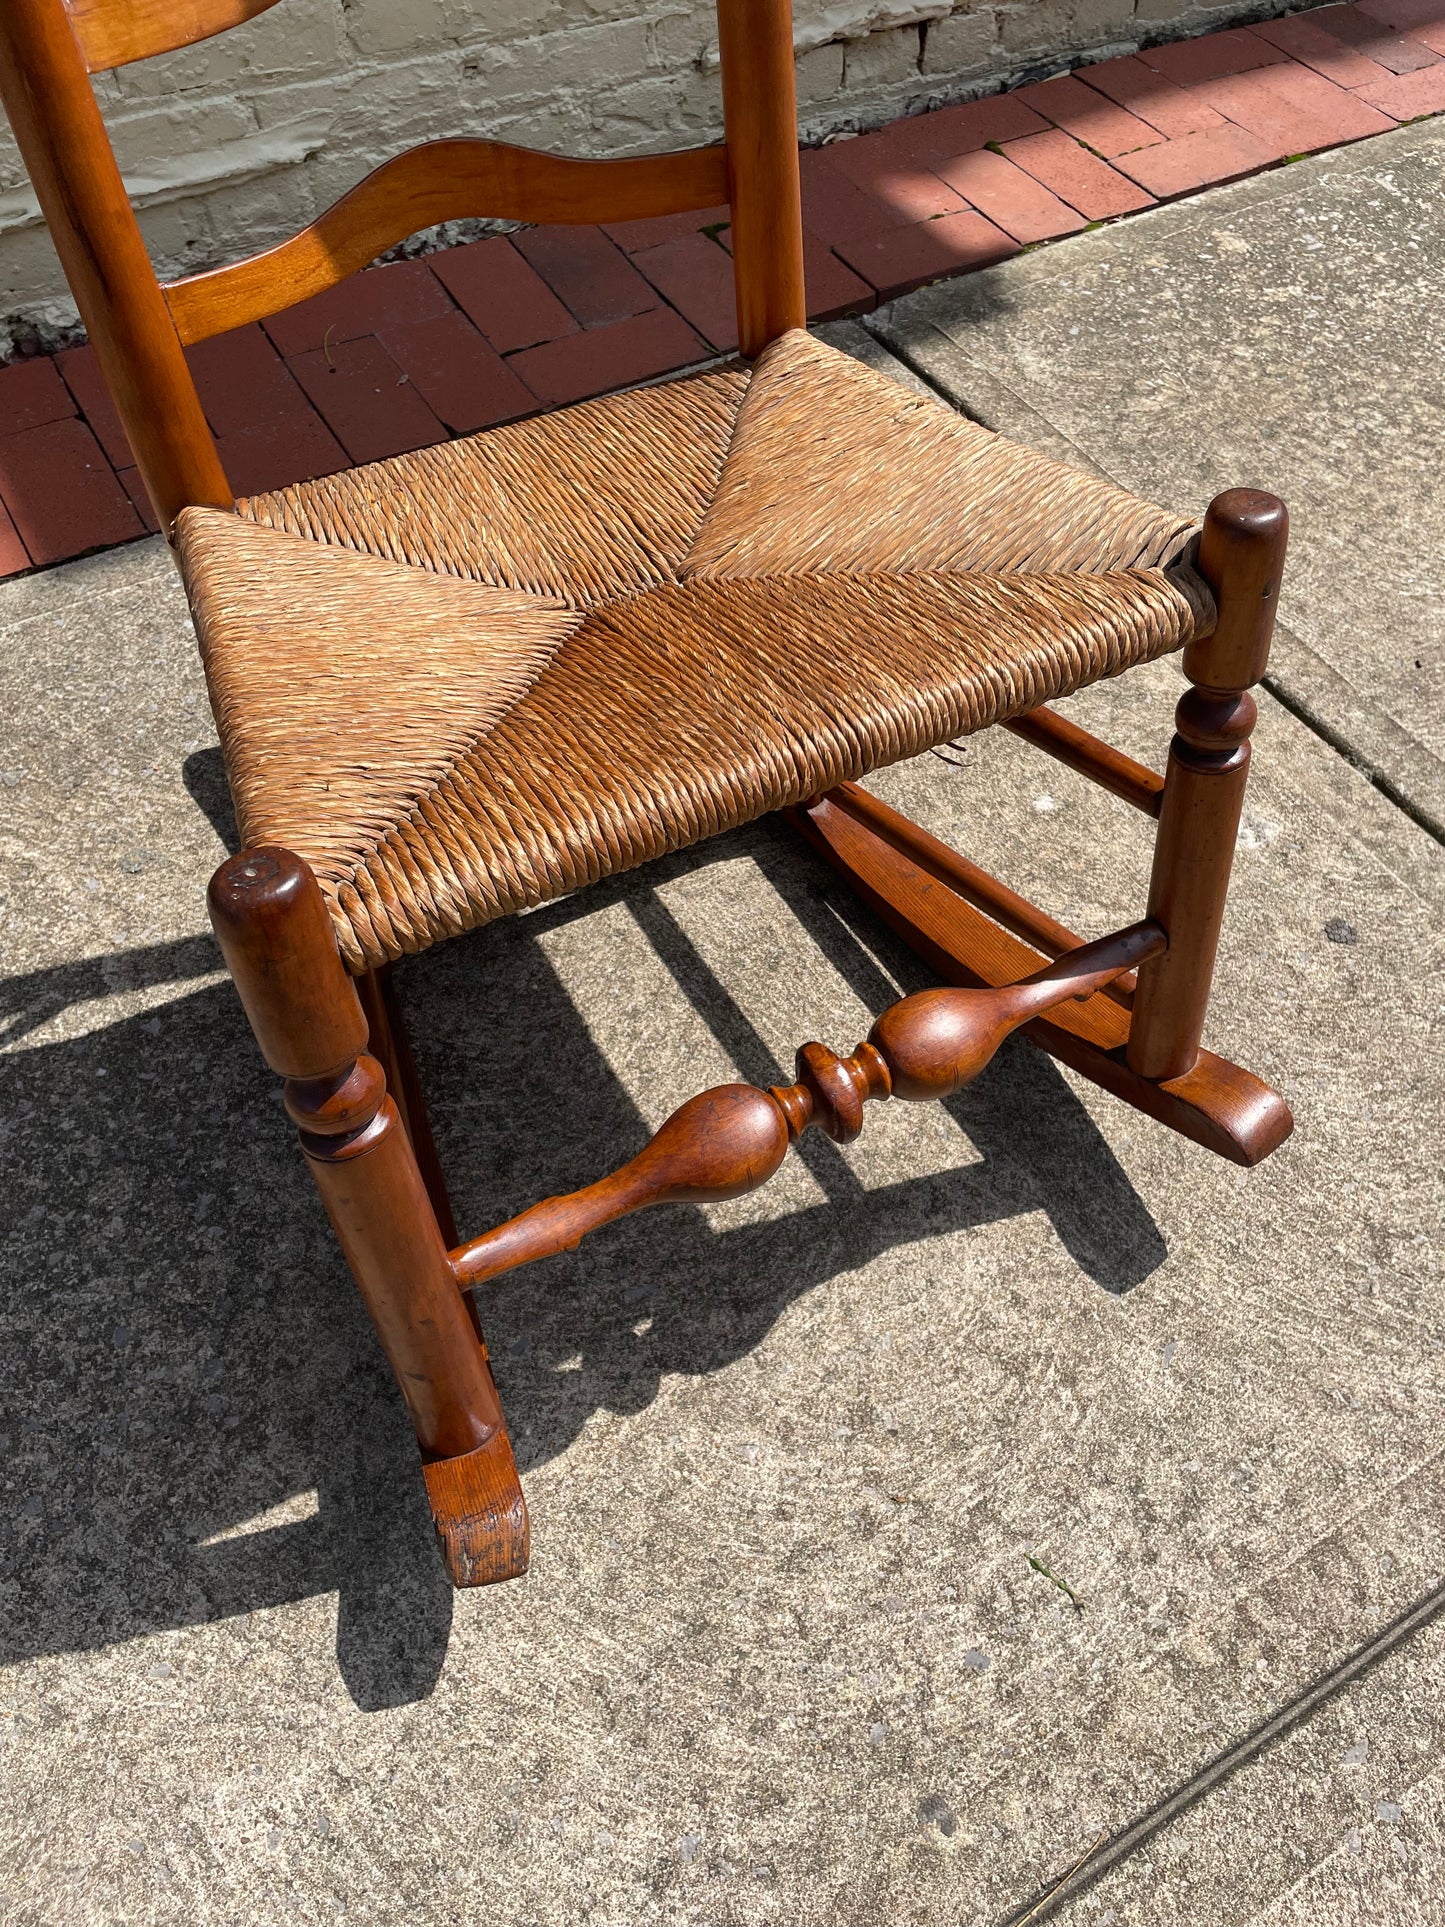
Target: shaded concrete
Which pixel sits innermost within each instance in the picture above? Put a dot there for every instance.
(1285, 332)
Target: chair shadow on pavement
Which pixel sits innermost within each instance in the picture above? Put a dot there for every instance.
(187, 1352)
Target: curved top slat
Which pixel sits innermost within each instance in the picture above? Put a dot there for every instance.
(444, 181)
(112, 33)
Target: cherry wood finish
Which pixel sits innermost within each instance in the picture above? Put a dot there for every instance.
(479, 1513)
(730, 1140)
(48, 97)
(114, 32)
(1217, 1104)
(139, 329)
(391, 1046)
(966, 879)
(1110, 768)
(275, 934)
(760, 114)
(1241, 556)
(274, 931)
(443, 181)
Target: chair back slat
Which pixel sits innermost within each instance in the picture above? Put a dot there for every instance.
(444, 181)
(49, 48)
(112, 33)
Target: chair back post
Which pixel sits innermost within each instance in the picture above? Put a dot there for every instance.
(760, 114)
(52, 109)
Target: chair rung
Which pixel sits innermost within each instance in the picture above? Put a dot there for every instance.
(1217, 1104)
(1110, 768)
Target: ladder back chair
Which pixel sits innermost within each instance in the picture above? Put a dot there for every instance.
(455, 684)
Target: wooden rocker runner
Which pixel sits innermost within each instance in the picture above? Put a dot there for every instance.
(459, 683)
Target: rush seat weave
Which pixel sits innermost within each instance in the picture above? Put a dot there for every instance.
(467, 680)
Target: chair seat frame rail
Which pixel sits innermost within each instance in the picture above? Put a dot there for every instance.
(1126, 1010)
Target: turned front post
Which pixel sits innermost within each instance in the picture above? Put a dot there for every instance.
(1241, 556)
(274, 930)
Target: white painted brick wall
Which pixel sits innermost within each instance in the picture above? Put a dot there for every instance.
(230, 145)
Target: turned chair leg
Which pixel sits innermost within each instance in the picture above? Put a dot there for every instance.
(1241, 554)
(274, 930)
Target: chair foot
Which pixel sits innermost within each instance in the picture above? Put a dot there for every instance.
(480, 1514)
(926, 892)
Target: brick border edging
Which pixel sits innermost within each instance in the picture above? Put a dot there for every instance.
(409, 354)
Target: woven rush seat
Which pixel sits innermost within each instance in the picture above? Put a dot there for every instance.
(470, 679)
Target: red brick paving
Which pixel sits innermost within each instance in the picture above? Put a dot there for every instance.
(594, 278)
(465, 383)
(275, 454)
(242, 380)
(1425, 19)
(836, 208)
(13, 557)
(404, 355)
(928, 138)
(404, 291)
(503, 294)
(81, 372)
(631, 236)
(1407, 96)
(1299, 36)
(833, 289)
(904, 258)
(609, 357)
(909, 190)
(1400, 53)
(1172, 111)
(1199, 160)
(1077, 176)
(135, 488)
(1293, 110)
(1011, 199)
(1433, 36)
(365, 400)
(31, 392)
(696, 275)
(1099, 123)
(62, 493)
(1411, 15)
(1215, 55)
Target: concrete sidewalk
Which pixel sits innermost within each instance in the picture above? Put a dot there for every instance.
(783, 1654)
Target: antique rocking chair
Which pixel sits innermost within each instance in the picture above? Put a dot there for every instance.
(455, 684)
